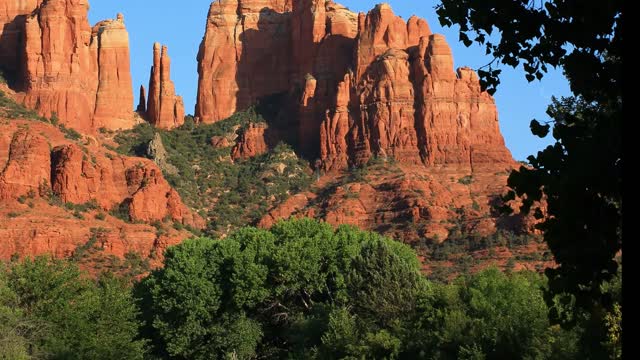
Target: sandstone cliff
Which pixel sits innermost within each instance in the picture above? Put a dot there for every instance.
(361, 85)
(361, 88)
(13, 14)
(68, 68)
(164, 109)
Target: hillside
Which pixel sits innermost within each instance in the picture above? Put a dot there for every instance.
(305, 109)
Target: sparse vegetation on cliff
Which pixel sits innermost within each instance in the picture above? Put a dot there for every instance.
(230, 193)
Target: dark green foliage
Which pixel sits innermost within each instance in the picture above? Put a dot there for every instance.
(306, 291)
(121, 212)
(31, 194)
(584, 40)
(492, 315)
(82, 208)
(69, 133)
(231, 194)
(272, 292)
(90, 246)
(134, 142)
(461, 242)
(580, 175)
(50, 311)
(258, 185)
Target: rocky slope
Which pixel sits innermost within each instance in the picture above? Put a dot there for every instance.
(56, 185)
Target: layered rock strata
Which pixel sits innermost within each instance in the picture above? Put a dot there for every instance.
(13, 15)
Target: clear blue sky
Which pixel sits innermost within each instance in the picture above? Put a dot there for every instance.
(180, 25)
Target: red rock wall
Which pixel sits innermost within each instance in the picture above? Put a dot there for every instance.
(244, 55)
(13, 14)
(27, 167)
(81, 74)
(365, 85)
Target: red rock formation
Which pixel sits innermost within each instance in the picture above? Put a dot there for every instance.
(252, 141)
(378, 31)
(402, 100)
(154, 199)
(387, 116)
(333, 132)
(137, 182)
(13, 14)
(31, 224)
(80, 73)
(165, 110)
(28, 166)
(142, 101)
(79, 174)
(364, 86)
(244, 55)
(114, 98)
(308, 29)
(459, 122)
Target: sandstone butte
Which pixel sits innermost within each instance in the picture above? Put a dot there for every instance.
(359, 87)
(164, 109)
(65, 67)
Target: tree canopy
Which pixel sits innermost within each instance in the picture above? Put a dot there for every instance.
(305, 290)
(579, 177)
(50, 310)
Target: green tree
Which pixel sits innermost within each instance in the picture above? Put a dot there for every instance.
(492, 315)
(17, 333)
(293, 290)
(60, 314)
(579, 176)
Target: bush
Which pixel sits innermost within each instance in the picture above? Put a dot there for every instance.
(492, 315)
(466, 180)
(69, 133)
(13, 110)
(121, 212)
